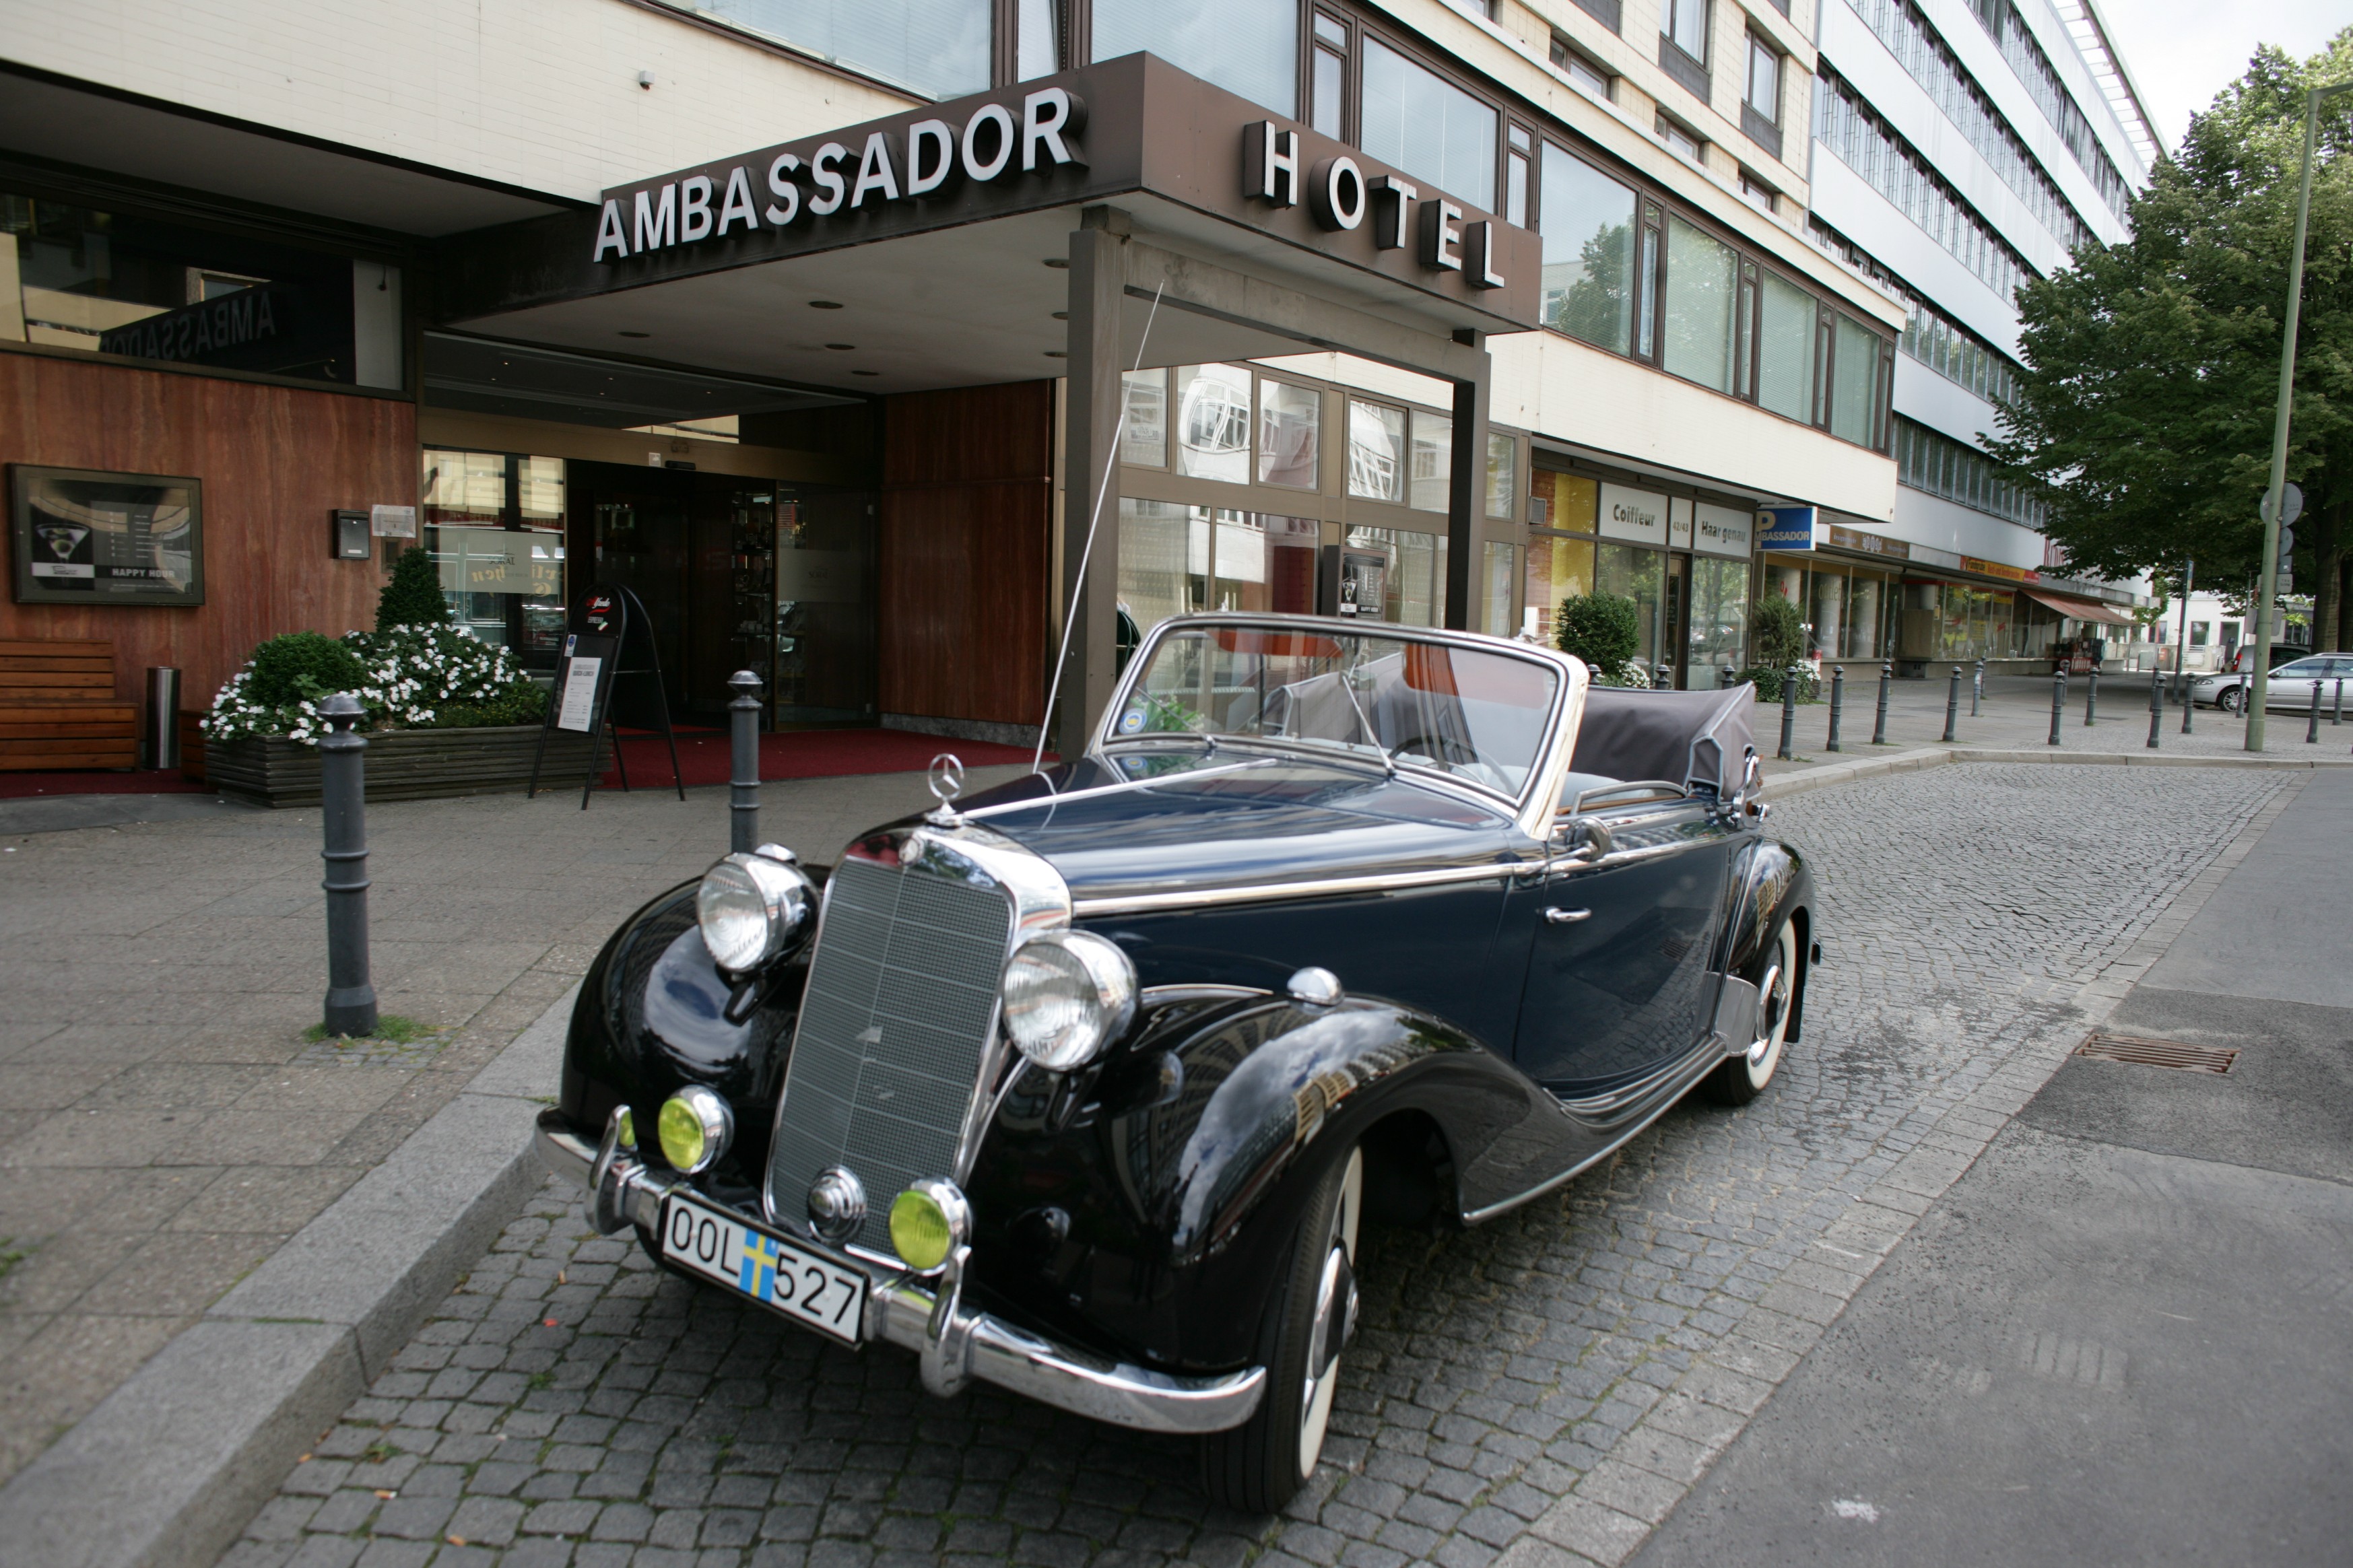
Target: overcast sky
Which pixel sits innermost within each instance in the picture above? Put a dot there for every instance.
(2182, 52)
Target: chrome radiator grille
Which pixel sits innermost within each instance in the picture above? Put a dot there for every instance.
(900, 1003)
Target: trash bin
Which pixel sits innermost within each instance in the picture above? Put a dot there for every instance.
(160, 743)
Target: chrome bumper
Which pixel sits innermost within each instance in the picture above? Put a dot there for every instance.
(954, 1345)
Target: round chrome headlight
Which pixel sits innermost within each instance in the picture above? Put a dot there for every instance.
(754, 907)
(1067, 994)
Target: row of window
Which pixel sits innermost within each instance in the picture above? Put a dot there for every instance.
(1929, 61)
(2034, 70)
(1238, 425)
(1939, 342)
(1858, 137)
(1929, 460)
(1623, 275)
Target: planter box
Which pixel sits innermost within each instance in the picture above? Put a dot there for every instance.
(402, 764)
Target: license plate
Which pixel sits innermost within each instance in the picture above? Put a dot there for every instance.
(805, 1286)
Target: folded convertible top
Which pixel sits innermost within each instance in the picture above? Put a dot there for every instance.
(1700, 740)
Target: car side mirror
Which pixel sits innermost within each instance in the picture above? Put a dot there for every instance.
(1584, 839)
(1752, 778)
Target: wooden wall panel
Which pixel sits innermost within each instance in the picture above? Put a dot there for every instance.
(967, 501)
(274, 460)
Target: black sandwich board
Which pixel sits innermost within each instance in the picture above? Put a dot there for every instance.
(609, 672)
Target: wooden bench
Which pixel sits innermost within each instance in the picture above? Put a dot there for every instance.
(58, 707)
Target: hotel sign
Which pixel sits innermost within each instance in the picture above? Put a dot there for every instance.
(1132, 127)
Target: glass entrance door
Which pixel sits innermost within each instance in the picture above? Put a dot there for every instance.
(1674, 650)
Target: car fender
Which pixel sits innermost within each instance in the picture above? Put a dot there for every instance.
(1772, 886)
(1143, 1205)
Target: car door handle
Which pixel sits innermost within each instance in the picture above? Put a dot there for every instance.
(1566, 917)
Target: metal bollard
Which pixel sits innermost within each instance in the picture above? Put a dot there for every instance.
(1977, 690)
(2311, 725)
(1879, 726)
(2189, 703)
(2058, 702)
(2338, 716)
(744, 774)
(2092, 698)
(1837, 703)
(1789, 709)
(1953, 703)
(342, 782)
(2156, 705)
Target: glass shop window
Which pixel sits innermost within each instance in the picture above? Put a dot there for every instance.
(1498, 565)
(937, 47)
(1568, 501)
(1376, 451)
(1143, 439)
(1854, 383)
(1638, 574)
(114, 283)
(1164, 559)
(1503, 474)
(1246, 46)
(1719, 618)
(1412, 582)
(1825, 612)
(494, 525)
(1587, 221)
(1559, 568)
(1703, 282)
(1213, 422)
(1785, 349)
(1433, 460)
(1866, 596)
(1417, 120)
(1264, 563)
(1288, 420)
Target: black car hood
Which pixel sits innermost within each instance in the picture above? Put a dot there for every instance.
(1163, 821)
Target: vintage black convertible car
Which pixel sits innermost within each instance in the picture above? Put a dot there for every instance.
(1081, 1087)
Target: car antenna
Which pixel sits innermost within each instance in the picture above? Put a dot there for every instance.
(1070, 610)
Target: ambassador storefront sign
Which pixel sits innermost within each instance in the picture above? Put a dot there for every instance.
(1135, 132)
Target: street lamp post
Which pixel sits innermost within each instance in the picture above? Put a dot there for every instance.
(2259, 682)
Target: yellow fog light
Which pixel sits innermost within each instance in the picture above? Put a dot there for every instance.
(694, 1127)
(928, 1221)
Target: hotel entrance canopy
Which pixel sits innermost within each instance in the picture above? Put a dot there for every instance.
(1029, 232)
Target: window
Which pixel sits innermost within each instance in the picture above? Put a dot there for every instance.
(1686, 26)
(1515, 176)
(1608, 13)
(2201, 634)
(2033, 67)
(1499, 563)
(1702, 278)
(938, 48)
(1213, 422)
(1683, 141)
(1940, 343)
(1329, 112)
(1557, 569)
(1928, 460)
(1857, 138)
(1784, 348)
(111, 283)
(1246, 46)
(1376, 451)
(1588, 220)
(1143, 439)
(1763, 93)
(1502, 473)
(494, 524)
(1288, 417)
(1757, 194)
(1854, 384)
(1036, 41)
(1583, 72)
(1424, 124)
(1411, 588)
(1433, 460)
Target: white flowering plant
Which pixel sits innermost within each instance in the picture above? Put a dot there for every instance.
(407, 677)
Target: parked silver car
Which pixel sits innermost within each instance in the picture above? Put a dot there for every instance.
(2291, 684)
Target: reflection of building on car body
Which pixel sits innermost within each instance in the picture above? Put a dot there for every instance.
(1083, 1087)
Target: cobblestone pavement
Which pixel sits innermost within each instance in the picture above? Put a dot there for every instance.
(1544, 1385)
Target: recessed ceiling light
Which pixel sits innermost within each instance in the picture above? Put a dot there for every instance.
(841, 348)
(825, 304)
(1058, 261)
(637, 334)
(1055, 353)
(866, 372)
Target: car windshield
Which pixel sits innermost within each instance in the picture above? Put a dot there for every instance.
(1476, 715)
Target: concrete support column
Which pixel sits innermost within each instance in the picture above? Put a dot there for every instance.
(1090, 479)
(1466, 490)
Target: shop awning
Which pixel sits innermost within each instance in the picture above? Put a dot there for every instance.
(2080, 609)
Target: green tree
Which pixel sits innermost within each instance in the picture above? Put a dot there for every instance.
(2145, 417)
(1605, 630)
(414, 596)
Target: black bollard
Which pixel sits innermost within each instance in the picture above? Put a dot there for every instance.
(2058, 701)
(2311, 725)
(2092, 698)
(2156, 705)
(1879, 726)
(1837, 701)
(343, 783)
(743, 774)
(1953, 703)
(2338, 716)
(1789, 709)
(1977, 690)
(2189, 703)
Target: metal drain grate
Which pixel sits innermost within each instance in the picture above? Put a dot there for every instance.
(2157, 1053)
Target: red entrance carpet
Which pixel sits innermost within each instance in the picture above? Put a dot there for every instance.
(24, 786)
(703, 755)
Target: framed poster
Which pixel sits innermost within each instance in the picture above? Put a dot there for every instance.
(82, 537)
